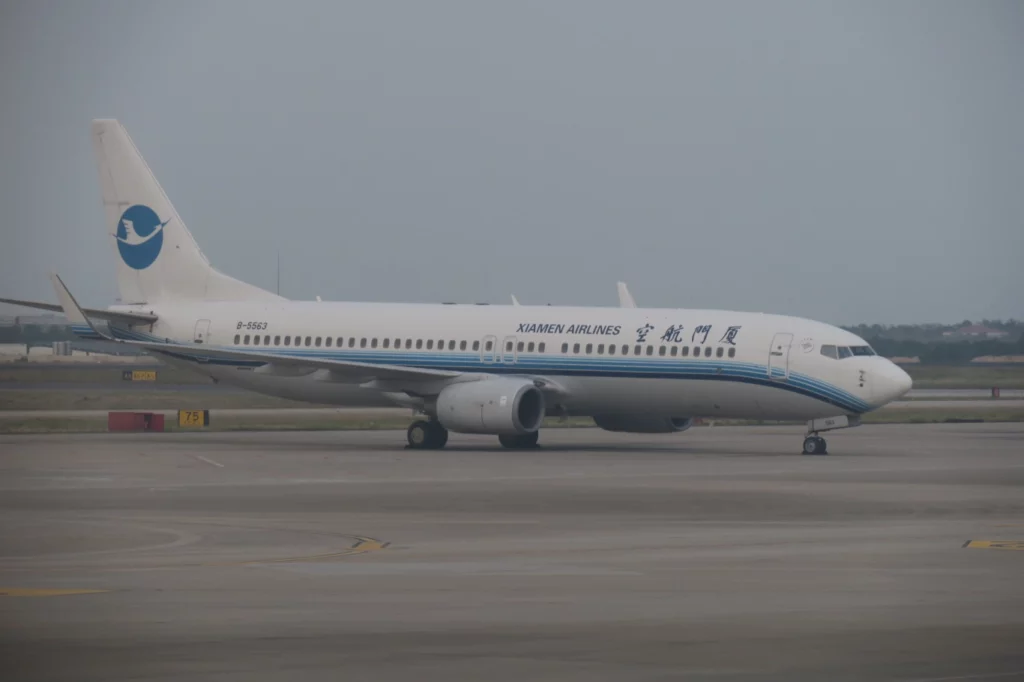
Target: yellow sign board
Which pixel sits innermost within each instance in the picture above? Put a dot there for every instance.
(143, 375)
(194, 419)
(1017, 545)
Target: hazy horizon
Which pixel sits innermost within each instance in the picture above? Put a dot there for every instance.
(847, 162)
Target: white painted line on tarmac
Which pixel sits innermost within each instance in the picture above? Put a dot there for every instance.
(209, 461)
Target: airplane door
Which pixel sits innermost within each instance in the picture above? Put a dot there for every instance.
(508, 350)
(487, 349)
(202, 334)
(778, 357)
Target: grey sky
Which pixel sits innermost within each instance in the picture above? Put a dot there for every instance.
(849, 162)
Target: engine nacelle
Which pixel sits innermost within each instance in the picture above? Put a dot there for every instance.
(638, 423)
(498, 406)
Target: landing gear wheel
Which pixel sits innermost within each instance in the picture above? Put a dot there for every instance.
(815, 445)
(520, 442)
(424, 435)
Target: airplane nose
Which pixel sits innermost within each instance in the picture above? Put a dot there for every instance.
(890, 382)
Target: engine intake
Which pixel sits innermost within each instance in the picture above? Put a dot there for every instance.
(499, 406)
(639, 423)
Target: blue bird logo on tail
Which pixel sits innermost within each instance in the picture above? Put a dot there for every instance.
(140, 236)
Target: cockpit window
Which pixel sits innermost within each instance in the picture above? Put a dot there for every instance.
(862, 350)
(829, 351)
(845, 352)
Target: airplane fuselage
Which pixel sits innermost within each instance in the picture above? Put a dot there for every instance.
(702, 363)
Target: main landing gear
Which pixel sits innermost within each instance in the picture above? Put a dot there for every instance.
(426, 435)
(815, 444)
(520, 442)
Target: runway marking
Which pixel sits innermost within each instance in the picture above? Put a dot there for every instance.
(1017, 545)
(209, 461)
(979, 676)
(362, 545)
(42, 592)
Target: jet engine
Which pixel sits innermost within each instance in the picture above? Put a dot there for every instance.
(639, 423)
(499, 406)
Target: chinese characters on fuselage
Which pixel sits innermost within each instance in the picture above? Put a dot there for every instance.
(672, 334)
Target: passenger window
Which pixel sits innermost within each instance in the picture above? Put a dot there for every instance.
(590, 348)
(237, 339)
(277, 340)
(440, 345)
(327, 341)
(636, 350)
(362, 342)
(351, 342)
(256, 340)
(408, 343)
(246, 341)
(661, 350)
(675, 349)
(611, 349)
(508, 346)
(685, 351)
(719, 352)
(462, 345)
(732, 352)
(419, 344)
(287, 340)
(430, 344)
(520, 346)
(451, 345)
(707, 352)
(529, 347)
(540, 348)
(309, 340)
(600, 349)
(489, 345)
(387, 343)
(565, 348)
(373, 343)
(844, 352)
(575, 348)
(318, 340)
(476, 345)
(398, 343)
(829, 351)
(340, 342)
(696, 351)
(650, 350)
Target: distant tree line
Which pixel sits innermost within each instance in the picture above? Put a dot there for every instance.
(945, 352)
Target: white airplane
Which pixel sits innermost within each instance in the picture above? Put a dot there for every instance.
(467, 368)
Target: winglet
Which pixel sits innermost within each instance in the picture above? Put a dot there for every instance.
(72, 310)
(625, 298)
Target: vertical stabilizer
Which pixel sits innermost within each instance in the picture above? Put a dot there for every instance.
(157, 258)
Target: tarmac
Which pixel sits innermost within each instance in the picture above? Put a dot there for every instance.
(714, 554)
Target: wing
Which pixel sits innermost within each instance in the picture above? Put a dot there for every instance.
(340, 370)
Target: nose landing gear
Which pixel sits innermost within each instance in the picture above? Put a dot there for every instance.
(815, 444)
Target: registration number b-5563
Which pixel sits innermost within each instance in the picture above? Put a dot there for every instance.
(252, 326)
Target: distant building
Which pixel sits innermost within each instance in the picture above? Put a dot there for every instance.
(976, 331)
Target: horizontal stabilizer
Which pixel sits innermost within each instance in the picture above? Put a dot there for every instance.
(99, 314)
